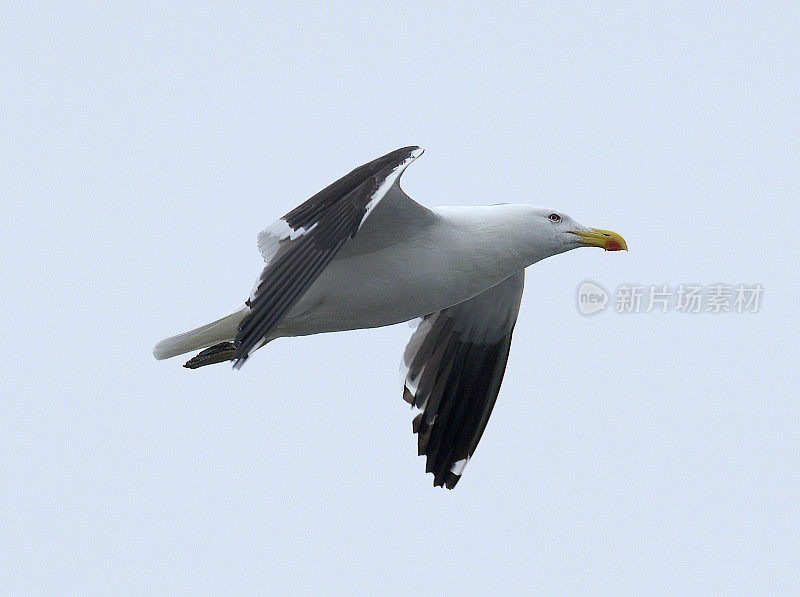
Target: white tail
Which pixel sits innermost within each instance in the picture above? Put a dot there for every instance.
(206, 335)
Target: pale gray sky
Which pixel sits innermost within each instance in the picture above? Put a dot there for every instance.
(143, 148)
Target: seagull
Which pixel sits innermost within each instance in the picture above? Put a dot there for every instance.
(362, 254)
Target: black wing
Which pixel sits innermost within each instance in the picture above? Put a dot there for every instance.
(455, 363)
(299, 246)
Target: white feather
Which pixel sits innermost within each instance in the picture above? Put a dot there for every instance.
(458, 466)
(221, 330)
(423, 326)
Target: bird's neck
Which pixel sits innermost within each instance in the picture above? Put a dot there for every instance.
(509, 236)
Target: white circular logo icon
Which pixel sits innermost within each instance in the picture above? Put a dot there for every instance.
(592, 298)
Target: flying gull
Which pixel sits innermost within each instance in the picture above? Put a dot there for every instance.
(362, 254)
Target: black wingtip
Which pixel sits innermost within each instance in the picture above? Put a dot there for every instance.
(445, 480)
(451, 480)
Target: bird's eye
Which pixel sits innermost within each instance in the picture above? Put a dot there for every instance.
(554, 218)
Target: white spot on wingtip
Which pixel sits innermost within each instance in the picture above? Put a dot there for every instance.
(294, 234)
(458, 466)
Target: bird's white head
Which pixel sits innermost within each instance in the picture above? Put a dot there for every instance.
(563, 233)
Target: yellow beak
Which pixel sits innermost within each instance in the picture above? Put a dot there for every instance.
(605, 239)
